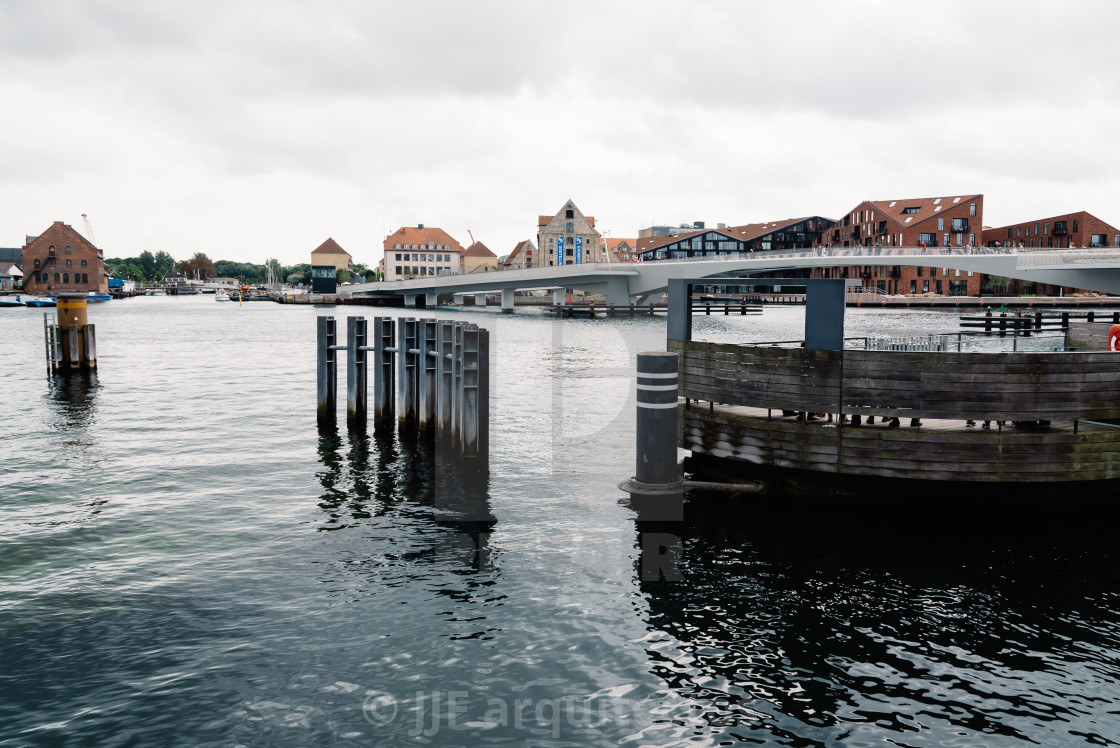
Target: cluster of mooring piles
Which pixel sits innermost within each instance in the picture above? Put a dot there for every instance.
(815, 419)
(71, 342)
(428, 376)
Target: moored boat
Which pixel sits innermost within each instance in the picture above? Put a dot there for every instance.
(221, 296)
(9, 301)
(39, 301)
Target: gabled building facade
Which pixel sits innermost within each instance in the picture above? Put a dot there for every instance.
(935, 221)
(478, 258)
(329, 253)
(419, 252)
(569, 237)
(954, 221)
(787, 234)
(524, 255)
(62, 260)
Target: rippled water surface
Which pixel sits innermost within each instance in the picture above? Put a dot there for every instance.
(188, 560)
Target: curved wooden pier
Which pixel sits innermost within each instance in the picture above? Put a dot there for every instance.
(731, 420)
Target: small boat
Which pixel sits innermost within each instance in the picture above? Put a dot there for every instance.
(221, 296)
(156, 292)
(94, 296)
(7, 301)
(39, 301)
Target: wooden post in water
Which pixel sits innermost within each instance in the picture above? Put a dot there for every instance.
(327, 374)
(355, 371)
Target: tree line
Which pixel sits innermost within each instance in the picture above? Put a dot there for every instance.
(153, 268)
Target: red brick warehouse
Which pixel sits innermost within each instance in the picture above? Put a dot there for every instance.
(61, 260)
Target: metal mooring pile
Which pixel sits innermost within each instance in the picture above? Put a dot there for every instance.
(433, 375)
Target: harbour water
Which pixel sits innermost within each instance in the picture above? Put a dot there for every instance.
(187, 560)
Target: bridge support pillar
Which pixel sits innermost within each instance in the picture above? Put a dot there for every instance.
(410, 299)
(480, 299)
(618, 291)
(507, 299)
(431, 300)
(558, 297)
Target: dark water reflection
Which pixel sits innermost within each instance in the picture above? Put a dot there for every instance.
(72, 402)
(907, 630)
(365, 477)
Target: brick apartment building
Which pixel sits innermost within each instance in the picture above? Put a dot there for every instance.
(619, 250)
(954, 221)
(420, 252)
(62, 260)
(1080, 229)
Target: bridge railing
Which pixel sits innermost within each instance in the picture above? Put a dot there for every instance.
(846, 252)
(1067, 256)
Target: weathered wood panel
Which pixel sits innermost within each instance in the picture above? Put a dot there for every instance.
(976, 456)
(978, 386)
(1091, 336)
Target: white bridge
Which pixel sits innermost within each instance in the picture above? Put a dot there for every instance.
(1096, 269)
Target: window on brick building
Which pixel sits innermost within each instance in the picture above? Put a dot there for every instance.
(1096, 240)
(909, 211)
(67, 262)
(66, 277)
(56, 277)
(85, 278)
(1046, 228)
(1075, 225)
(569, 213)
(83, 263)
(67, 250)
(36, 264)
(941, 224)
(972, 209)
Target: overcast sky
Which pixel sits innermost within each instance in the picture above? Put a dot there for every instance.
(249, 129)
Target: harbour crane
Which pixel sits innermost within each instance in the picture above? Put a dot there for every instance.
(89, 229)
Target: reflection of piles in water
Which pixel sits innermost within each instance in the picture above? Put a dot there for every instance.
(406, 473)
(73, 401)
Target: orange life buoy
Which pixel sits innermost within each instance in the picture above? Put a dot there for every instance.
(1114, 338)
